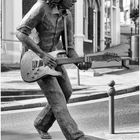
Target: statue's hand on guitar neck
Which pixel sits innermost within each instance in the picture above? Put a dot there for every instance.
(49, 60)
(84, 65)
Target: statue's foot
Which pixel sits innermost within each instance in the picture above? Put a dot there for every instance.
(44, 135)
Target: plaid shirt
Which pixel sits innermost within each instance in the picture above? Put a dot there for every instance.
(49, 24)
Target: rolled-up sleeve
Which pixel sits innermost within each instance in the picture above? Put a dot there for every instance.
(31, 19)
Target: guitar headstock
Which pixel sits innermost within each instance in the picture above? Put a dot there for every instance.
(109, 56)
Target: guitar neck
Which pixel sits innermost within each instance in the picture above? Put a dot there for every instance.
(61, 61)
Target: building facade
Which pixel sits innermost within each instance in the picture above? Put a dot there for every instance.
(96, 22)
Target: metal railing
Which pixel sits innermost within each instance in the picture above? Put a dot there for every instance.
(11, 51)
(8, 41)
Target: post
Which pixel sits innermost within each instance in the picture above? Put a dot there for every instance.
(111, 94)
(78, 76)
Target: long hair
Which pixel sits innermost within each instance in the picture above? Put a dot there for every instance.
(53, 3)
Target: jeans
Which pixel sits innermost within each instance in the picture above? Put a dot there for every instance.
(58, 91)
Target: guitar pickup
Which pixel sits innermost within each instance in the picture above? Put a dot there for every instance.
(37, 63)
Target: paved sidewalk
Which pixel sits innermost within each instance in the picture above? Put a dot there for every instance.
(91, 87)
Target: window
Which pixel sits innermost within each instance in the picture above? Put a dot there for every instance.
(114, 3)
(85, 18)
(107, 17)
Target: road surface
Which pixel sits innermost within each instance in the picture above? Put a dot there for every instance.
(91, 117)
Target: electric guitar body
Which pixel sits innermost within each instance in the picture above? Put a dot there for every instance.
(33, 68)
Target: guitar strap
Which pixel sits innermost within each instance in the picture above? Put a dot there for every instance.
(65, 35)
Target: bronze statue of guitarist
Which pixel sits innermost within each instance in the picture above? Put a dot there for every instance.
(47, 17)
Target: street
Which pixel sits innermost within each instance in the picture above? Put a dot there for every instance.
(91, 117)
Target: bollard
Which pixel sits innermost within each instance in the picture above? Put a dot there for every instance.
(78, 77)
(135, 48)
(111, 94)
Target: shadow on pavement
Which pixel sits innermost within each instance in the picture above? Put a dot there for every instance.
(94, 138)
(122, 71)
(120, 133)
(11, 135)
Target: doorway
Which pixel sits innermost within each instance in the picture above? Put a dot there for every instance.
(91, 26)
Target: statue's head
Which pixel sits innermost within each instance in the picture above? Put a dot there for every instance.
(64, 4)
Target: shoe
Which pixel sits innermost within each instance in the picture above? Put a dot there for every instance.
(44, 135)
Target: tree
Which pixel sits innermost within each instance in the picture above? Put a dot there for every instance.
(134, 15)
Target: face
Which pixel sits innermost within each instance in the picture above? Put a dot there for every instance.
(66, 4)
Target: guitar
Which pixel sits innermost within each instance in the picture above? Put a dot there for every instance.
(33, 68)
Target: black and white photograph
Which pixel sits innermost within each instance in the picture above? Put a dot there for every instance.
(69, 69)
